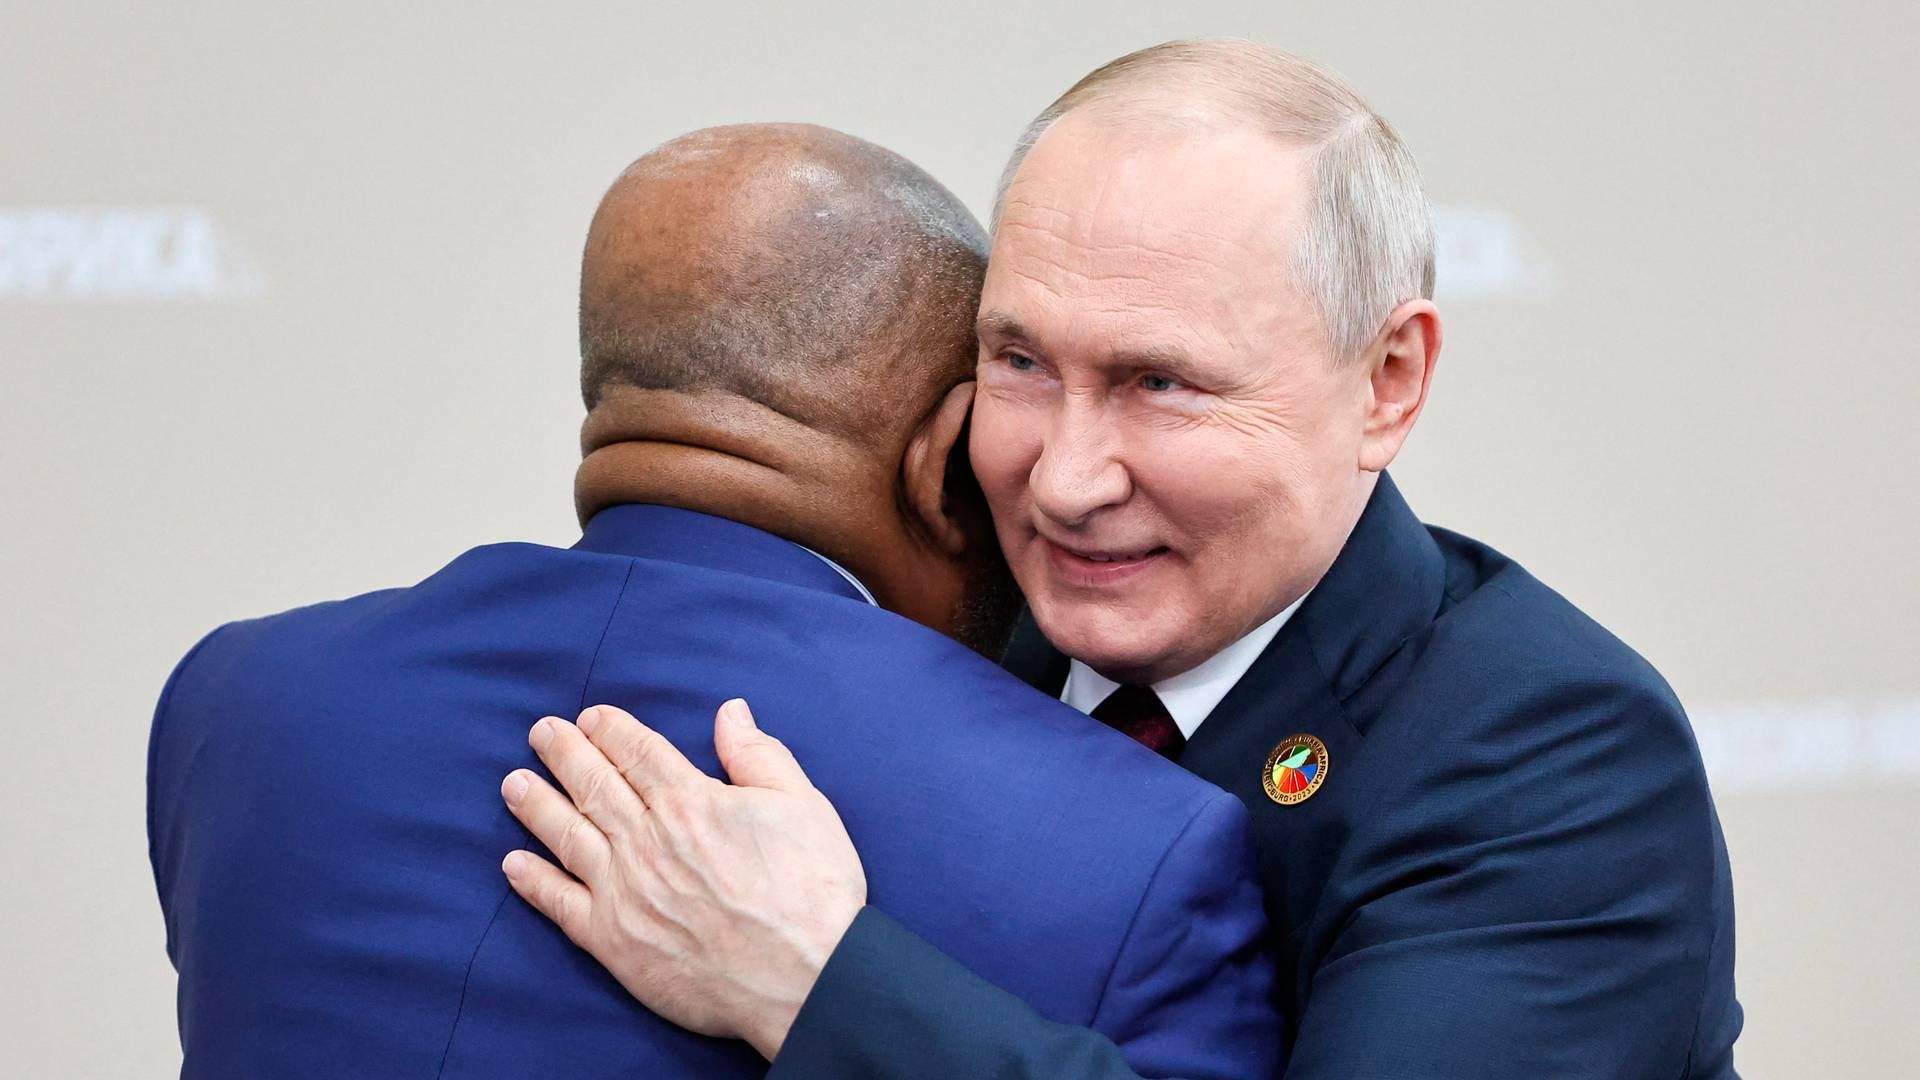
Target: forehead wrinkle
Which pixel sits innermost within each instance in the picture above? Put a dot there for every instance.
(1194, 277)
(1115, 264)
(1059, 188)
(1127, 298)
(1085, 253)
(1133, 289)
(1046, 277)
(1015, 202)
(1152, 329)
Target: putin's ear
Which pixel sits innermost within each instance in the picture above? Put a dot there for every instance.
(924, 470)
(1400, 369)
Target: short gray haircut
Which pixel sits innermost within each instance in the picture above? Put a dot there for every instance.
(1367, 246)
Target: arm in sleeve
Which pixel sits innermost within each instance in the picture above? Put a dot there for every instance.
(1190, 994)
(1543, 896)
(163, 787)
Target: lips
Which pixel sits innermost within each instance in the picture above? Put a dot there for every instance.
(1111, 557)
(1103, 567)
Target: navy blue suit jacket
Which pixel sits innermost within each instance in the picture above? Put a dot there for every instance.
(1513, 867)
(326, 827)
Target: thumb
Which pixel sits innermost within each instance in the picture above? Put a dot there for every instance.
(752, 757)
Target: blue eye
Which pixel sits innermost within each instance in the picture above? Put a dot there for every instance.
(1157, 383)
(1018, 362)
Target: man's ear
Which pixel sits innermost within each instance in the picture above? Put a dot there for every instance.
(1400, 369)
(924, 469)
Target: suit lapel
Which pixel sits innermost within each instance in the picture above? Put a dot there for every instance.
(1386, 586)
(1325, 674)
(1282, 694)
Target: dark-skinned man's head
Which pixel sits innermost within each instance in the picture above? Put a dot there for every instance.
(776, 326)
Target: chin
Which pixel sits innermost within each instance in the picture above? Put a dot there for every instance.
(1112, 643)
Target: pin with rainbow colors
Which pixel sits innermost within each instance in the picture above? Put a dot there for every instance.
(1295, 769)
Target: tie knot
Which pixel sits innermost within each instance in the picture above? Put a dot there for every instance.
(1137, 712)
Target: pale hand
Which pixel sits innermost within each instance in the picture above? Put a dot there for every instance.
(716, 905)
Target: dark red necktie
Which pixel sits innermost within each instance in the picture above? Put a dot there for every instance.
(1136, 711)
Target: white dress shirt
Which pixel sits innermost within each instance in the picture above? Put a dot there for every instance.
(1190, 695)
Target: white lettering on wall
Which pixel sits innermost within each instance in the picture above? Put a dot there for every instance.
(121, 254)
(1482, 253)
(1790, 747)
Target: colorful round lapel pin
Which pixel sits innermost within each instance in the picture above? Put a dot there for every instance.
(1295, 769)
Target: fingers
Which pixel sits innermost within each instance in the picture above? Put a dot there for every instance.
(551, 817)
(597, 788)
(560, 898)
(644, 757)
(752, 757)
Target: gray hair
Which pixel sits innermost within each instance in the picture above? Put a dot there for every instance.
(1368, 243)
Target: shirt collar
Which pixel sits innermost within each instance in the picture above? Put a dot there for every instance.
(651, 531)
(843, 572)
(1190, 695)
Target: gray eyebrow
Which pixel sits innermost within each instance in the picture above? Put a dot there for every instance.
(999, 323)
(1169, 358)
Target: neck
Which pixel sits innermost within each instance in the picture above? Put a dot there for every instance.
(721, 454)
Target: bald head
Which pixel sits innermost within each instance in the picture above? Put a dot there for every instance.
(797, 267)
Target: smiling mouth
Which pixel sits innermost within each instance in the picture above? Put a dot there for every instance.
(1095, 569)
(1114, 557)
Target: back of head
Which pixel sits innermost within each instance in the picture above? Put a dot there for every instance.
(797, 267)
(776, 321)
(1368, 244)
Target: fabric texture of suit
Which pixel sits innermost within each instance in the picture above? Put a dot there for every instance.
(326, 828)
(1513, 868)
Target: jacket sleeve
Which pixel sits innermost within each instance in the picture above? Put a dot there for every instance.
(1190, 994)
(1544, 896)
(162, 781)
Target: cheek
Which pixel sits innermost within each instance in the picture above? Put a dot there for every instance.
(1002, 449)
(1230, 487)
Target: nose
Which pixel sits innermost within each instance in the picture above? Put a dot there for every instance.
(1078, 471)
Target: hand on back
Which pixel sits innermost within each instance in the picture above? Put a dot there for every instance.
(716, 905)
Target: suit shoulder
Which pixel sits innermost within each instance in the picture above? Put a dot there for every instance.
(228, 641)
(1515, 632)
(491, 573)
(490, 589)
(1523, 710)
(1522, 716)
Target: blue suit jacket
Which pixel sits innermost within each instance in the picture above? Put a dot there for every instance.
(1513, 867)
(326, 827)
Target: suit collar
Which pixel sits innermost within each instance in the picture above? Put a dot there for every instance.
(669, 534)
(1387, 584)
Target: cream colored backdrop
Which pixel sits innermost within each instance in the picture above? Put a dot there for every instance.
(286, 313)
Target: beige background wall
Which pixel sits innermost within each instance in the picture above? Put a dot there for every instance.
(286, 313)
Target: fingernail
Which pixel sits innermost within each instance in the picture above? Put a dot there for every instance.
(542, 732)
(514, 788)
(736, 712)
(589, 719)
(513, 863)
